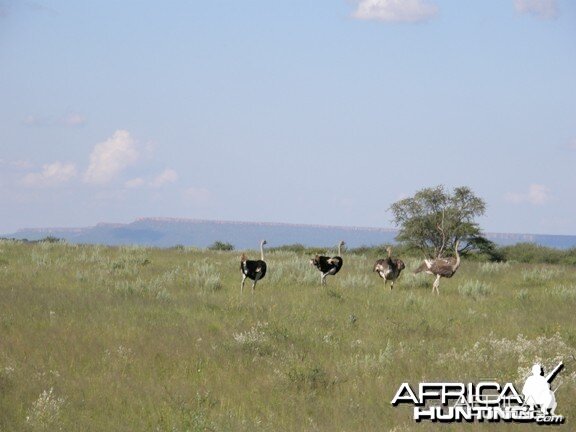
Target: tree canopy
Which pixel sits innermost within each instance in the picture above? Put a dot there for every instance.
(434, 219)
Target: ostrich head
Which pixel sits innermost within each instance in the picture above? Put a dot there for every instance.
(314, 261)
(243, 257)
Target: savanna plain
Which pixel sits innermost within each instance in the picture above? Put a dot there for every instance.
(96, 338)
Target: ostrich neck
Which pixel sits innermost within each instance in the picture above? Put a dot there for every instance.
(339, 249)
(457, 263)
(262, 251)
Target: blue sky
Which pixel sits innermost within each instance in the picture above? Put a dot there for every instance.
(301, 111)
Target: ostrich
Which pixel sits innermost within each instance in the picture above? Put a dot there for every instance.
(441, 267)
(328, 266)
(251, 269)
(389, 269)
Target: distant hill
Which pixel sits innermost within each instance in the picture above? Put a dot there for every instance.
(167, 232)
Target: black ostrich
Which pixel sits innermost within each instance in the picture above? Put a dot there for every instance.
(390, 268)
(327, 265)
(253, 269)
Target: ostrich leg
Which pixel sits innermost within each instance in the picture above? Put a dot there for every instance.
(255, 281)
(436, 285)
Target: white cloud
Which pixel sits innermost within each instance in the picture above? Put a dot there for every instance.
(110, 158)
(135, 183)
(545, 9)
(51, 175)
(537, 195)
(17, 164)
(395, 10)
(35, 121)
(73, 119)
(167, 176)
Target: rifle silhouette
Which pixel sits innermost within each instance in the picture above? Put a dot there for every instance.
(550, 377)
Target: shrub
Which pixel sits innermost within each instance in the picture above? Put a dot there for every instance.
(474, 289)
(221, 246)
(45, 411)
(296, 247)
(255, 340)
(205, 277)
(374, 251)
(51, 239)
(566, 292)
(532, 253)
(308, 378)
(494, 267)
(539, 275)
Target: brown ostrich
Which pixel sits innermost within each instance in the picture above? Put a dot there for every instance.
(441, 267)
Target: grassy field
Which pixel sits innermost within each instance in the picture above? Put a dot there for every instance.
(135, 339)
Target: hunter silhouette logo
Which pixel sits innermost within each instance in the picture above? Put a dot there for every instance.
(485, 401)
(537, 391)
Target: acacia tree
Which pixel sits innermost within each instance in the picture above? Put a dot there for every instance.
(433, 220)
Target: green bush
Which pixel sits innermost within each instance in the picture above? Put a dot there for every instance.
(533, 253)
(51, 239)
(221, 246)
(296, 247)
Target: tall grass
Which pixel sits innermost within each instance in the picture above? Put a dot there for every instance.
(494, 267)
(474, 289)
(540, 275)
(205, 277)
(97, 338)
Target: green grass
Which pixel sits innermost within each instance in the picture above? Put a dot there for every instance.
(136, 339)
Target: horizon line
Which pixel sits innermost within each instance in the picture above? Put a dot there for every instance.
(236, 222)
